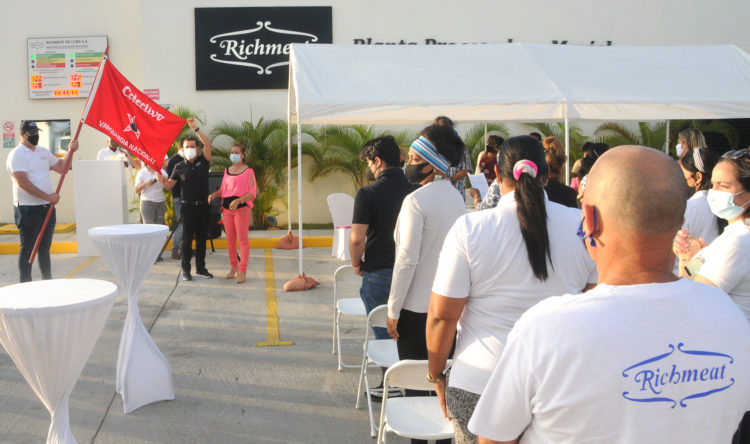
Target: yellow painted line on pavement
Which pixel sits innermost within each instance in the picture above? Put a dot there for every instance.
(272, 308)
(219, 244)
(81, 267)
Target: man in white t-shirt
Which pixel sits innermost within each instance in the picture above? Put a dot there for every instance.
(29, 165)
(643, 357)
(113, 151)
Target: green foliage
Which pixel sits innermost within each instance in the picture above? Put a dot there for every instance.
(336, 150)
(577, 138)
(266, 154)
(474, 137)
(649, 134)
(184, 112)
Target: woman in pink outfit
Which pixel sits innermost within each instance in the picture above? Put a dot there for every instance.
(238, 189)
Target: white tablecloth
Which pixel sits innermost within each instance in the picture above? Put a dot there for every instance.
(143, 373)
(49, 329)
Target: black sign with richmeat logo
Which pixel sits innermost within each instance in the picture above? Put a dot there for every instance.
(248, 48)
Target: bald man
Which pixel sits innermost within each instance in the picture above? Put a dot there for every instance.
(644, 356)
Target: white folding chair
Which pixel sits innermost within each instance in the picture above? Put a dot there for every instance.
(375, 353)
(416, 417)
(344, 307)
(341, 207)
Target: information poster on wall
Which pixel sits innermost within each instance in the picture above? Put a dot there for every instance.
(63, 67)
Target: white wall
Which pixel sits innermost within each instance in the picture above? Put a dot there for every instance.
(152, 43)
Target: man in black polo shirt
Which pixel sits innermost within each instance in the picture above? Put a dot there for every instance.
(192, 175)
(376, 208)
(176, 204)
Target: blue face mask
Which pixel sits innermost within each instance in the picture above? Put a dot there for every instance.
(722, 204)
(235, 158)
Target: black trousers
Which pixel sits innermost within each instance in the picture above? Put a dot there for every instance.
(194, 226)
(29, 219)
(412, 344)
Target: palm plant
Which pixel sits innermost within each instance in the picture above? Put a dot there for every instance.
(336, 150)
(474, 137)
(649, 134)
(266, 154)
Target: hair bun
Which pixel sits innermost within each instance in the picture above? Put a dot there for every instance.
(524, 166)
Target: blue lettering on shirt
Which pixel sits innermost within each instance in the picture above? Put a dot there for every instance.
(669, 376)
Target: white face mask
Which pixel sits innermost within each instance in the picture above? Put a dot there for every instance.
(679, 149)
(722, 204)
(190, 153)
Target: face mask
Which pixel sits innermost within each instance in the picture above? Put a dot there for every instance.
(722, 204)
(414, 173)
(370, 175)
(190, 153)
(34, 140)
(235, 158)
(678, 148)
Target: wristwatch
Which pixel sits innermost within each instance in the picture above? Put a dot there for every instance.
(432, 380)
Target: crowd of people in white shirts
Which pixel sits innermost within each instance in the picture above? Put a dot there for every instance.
(623, 321)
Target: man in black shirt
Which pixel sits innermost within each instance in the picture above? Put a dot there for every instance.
(176, 204)
(376, 208)
(192, 175)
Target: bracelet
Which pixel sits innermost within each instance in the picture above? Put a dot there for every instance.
(357, 266)
(432, 380)
(197, 129)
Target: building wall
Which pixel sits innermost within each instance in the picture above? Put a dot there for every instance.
(152, 43)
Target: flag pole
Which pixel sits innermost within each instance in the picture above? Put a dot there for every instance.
(69, 157)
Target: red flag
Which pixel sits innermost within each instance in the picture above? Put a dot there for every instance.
(123, 112)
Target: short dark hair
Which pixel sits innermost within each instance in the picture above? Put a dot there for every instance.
(443, 121)
(536, 135)
(186, 138)
(384, 147)
(497, 139)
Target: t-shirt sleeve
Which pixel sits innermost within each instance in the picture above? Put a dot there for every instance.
(16, 163)
(453, 276)
(504, 409)
(361, 213)
(141, 176)
(726, 266)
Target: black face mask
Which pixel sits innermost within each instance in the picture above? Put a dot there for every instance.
(414, 173)
(34, 140)
(370, 175)
(490, 149)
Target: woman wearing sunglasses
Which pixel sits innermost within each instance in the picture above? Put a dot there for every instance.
(725, 262)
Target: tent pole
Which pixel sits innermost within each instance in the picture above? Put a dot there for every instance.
(299, 190)
(485, 134)
(666, 139)
(567, 152)
(289, 156)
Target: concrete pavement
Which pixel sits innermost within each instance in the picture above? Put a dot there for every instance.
(229, 387)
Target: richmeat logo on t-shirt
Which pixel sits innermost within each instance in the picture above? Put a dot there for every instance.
(679, 376)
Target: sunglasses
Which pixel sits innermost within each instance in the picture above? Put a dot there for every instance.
(737, 154)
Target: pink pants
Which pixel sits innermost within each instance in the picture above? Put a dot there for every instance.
(237, 224)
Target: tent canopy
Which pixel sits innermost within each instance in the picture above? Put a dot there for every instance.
(344, 84)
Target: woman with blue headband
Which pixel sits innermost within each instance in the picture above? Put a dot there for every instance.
(426, 216)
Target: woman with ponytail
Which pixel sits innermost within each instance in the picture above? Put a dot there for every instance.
(494, 265)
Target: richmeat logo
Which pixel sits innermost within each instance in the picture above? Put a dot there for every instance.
(248, 48)
(679, 376)
(240, 48)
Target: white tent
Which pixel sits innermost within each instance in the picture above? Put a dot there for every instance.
(345, 84)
